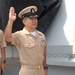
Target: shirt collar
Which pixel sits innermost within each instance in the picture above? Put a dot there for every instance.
(27, 32)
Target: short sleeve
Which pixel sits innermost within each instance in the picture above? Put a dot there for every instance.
(3, 43)
(15, 39)
(46, 49)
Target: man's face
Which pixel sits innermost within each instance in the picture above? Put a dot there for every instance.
(31, 22)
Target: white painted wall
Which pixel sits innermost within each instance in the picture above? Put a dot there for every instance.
(61, 30)
(60, 40)
(59, 70)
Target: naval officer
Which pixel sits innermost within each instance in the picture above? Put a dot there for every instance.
(30, 43)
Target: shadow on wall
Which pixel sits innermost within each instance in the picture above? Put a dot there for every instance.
(47, 10)
(55, 34)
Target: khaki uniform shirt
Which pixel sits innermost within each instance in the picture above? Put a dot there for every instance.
(31, 50)
(2, 41)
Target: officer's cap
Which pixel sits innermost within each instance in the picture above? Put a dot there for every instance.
(30, 11)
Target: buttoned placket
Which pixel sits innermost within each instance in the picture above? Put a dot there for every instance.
(40, 66)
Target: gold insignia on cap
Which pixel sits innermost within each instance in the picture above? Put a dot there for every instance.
(32, 10)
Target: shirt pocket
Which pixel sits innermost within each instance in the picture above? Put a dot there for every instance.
(29, 45)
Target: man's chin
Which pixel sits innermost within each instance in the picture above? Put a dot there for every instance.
(34, 27)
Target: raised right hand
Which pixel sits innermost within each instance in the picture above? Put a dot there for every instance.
(12, 14)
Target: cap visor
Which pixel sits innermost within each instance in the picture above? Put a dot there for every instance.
(34, 16)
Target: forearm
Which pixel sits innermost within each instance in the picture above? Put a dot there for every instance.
(3, 59)
(8, 31)
(45, 66)
(3, 54)
(44, 62)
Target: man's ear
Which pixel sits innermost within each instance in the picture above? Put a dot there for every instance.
(23, 21)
